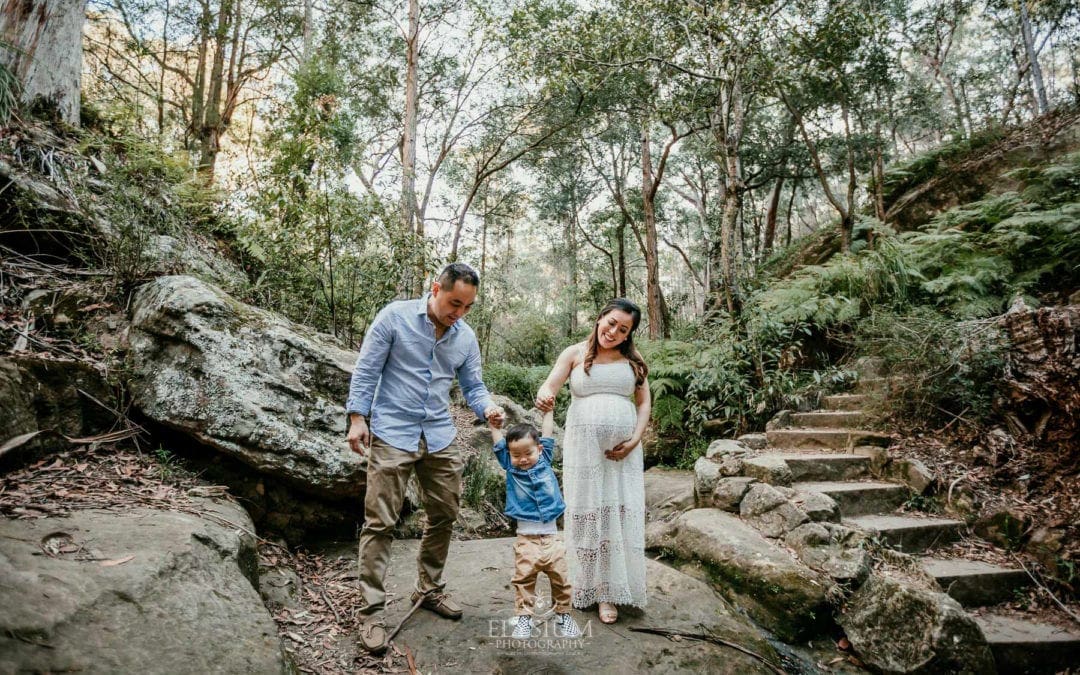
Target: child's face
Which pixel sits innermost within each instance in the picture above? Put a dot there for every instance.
(524, 452)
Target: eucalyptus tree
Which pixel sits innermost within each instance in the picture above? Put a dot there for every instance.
(41, 55)
(838, 66)
(195, 63)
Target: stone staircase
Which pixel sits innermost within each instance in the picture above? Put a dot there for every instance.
(827, 452)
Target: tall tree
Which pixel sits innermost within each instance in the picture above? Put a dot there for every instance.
(41, 45)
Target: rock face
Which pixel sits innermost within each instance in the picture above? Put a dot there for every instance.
(478, 574)
(133, 592)
(246, 382)
(779, 592)
(39, 394)
(667, 492)
(896, 627)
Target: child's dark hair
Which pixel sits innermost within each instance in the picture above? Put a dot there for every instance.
(520, 431)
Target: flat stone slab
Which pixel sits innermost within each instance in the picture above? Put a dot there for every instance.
(859, 498)
(818, 466)
(1021, 646)
(478, 574)
(778, 590)
(836, 439)
(973, 583)
(910, 535)
(844, 419)
(843, 401)
(139, 591)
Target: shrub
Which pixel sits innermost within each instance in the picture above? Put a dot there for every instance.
(521, 383)
(944, 369)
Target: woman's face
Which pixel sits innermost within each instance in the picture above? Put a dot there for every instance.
(613, 328)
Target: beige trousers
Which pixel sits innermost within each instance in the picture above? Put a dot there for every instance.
(535, 553)
(439, 474)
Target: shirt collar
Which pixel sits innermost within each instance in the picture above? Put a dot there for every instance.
(421, 310)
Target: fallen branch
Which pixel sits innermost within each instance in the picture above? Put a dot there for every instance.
(419, 601)
(705, 637)
(1041, 585)
(326, 599)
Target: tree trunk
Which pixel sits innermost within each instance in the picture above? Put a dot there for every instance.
(652, 263)
(620, 245)
(409, 219)
(770, 217)
(1033, 60)
(210, 130)
(41, 43)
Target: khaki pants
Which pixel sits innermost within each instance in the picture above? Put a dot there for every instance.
(535, 553)
(388, 472)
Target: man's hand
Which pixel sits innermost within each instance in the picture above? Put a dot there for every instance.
(359, 437)
(495, 416)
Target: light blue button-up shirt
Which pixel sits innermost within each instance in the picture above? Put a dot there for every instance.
(402, 378)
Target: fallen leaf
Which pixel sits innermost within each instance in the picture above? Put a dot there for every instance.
(118, 561)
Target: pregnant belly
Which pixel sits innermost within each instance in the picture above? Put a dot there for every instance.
(608, 410)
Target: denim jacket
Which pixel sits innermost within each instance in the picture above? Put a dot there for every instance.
(532, 494)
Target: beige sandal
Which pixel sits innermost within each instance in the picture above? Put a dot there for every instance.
(608, 613)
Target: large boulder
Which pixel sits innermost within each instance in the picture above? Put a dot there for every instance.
(897, 627)
(140, 591)
(246, 382)
(777, 590)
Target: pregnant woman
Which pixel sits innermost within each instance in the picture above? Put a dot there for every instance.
(603, 463)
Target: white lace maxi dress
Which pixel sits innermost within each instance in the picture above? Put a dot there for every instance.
(605, 499)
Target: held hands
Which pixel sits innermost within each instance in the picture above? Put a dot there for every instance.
(621, 450)
(495, 416)
(545, 401)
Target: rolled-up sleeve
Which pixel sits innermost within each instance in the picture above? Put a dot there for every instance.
(471, 378)
(369, 365)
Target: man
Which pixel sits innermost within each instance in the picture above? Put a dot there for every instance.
(409, 358)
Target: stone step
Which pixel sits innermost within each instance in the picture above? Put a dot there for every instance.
(837, 419)
(859, 498)
(836, 439)
(868, 385)
(807, 466)
(843, 402)
(973, 583)
(908, 534)
(1023, 646)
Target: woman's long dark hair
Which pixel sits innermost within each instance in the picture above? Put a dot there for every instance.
(626, 348)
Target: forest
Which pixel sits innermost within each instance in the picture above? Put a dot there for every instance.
(789, 189)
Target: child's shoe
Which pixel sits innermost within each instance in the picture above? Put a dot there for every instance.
(524, 628)
(567, 627)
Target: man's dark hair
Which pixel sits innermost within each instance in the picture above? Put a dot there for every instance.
(455, 272)
(520, 431)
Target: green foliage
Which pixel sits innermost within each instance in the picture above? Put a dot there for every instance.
(944, 369)
(529, 339)
(9, 92)
(521, 383)
(727, 374)
(903, 176)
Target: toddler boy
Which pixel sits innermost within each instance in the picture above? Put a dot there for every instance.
(533, 499)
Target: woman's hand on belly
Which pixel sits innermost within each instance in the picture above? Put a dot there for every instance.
(621, 450)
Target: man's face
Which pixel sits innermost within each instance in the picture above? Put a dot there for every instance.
(447, 305)
(524, 452)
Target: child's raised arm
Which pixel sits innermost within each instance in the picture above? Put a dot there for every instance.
(497, 433)
(547, 427)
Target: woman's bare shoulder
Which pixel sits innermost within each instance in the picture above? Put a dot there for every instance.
(573, 355)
